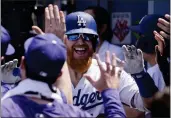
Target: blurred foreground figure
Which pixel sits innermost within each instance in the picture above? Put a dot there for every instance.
(36, 95)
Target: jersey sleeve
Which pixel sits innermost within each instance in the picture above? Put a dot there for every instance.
(129, 92)
(112, 105)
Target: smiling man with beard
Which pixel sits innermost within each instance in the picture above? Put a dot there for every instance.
(79, 33)
(79, 54)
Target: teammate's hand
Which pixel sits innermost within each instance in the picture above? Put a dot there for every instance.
(160, 41)
(54, 22)
(165, 26)
(109, 77)
(163, 37)
(134, 62)
(8, 73)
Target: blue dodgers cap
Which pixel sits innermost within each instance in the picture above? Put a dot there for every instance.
(80, 22)
(147, 24)
(6, 47)
(146, 27)
(45, 55)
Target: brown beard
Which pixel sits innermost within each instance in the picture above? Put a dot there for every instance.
(79, 65)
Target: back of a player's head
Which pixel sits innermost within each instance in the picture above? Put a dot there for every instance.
(102, 17)
(161, 104)
(45, 56)
(146, 27)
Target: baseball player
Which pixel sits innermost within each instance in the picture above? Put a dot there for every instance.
(36, 96)
(7, 49)
(81, 39)
(147, 44)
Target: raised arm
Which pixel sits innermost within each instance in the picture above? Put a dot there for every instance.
(147, 89)
(108, 85)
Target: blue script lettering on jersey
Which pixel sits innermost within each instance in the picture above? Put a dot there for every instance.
(85, 99)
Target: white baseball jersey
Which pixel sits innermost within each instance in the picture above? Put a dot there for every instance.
(88, 98)
(112, 49)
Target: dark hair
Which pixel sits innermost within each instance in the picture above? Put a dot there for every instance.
(35, 76)
(160, 106)
(102, 17)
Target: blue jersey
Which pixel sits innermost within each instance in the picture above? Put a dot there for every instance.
(21, 106)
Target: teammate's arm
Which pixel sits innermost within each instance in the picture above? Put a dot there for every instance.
(108, 85)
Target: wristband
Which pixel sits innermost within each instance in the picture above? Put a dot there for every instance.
(145, 83)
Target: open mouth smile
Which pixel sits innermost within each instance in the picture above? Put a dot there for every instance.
(80, 50)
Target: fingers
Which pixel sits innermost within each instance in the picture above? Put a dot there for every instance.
(52, 17)
(62, 18)
(119, 62)
(113, 63)
(125, 50)
(107, 60)
(160, 42)
(134, 50)
(47, 20)
(37, 30)
(15, 62)
(57, 15)
(10, 66)
(99, 63)
(156, 33)
(167, 16)
(6, 67)
(2, 60)
(89, 79)
(164, 25)
(164, 35)
(140, 54)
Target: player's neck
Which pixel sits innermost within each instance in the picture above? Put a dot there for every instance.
(75, 77)
(152, 60)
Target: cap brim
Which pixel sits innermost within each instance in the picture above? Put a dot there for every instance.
(82, 30)
(27, 43)
(10, 50)
(136, 28)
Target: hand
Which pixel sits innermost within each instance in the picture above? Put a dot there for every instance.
(109, 77)
(162, 38)
(160, 41)
(7, 72)
(134, 62)
(165, 26)
(54, 22)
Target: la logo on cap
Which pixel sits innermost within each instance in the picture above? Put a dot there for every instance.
(81, 20)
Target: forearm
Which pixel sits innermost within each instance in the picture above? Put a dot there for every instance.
(147, 88)
(112, 104)
(64, 83)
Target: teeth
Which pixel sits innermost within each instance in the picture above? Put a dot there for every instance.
(80, 49)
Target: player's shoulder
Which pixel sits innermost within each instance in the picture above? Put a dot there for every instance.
(13, 100)
(11, 106)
